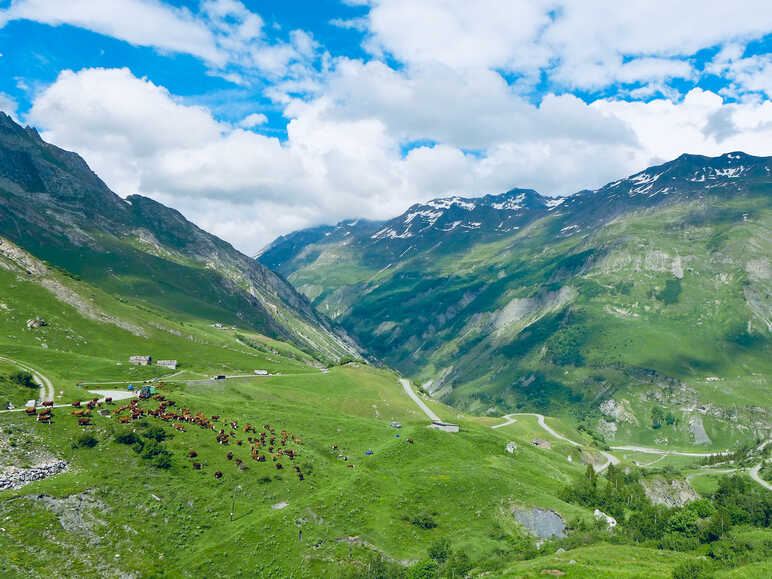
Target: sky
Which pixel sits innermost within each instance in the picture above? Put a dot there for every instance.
(255, 118)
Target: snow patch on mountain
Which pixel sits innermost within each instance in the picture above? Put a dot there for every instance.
(449, 202)
(511, 204)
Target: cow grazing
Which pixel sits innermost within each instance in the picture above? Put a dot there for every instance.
(239, 461)
(109, 400)
(76, 404)
(124, 419)
(230, 456)
(279, 466)
(197, 465)
(300, 475)
(410, 440)
(84, 421)
(48, 403)
(192, 454)
(218, 474)
(30, 411)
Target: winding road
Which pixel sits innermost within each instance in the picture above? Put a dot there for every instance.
(46, 387)
(649, 450)
(610, 458)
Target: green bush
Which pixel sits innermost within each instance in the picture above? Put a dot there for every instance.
(86, 440)
(693, 569)
(428, 569)
(162, 460)
(155, 433)
(22, 379)
(126, 438)
(440, 550)
(423, 520)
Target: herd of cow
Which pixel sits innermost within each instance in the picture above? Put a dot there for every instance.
(260, 443)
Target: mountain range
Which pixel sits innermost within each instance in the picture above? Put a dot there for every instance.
(656, 288)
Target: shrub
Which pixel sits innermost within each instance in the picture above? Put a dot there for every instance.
(162, 460)
(678, 542)
(126, 438)
(424, 570)
(155, 433)
(423, 520)
(86, 440)
(693, 569)
(440, 550)
(22, 379)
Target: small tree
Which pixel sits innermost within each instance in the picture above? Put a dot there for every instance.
(440, 550)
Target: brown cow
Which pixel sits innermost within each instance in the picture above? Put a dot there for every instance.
(410, 440)
(76, 404)
(109, 400)
(230, 456)
(30, 411)
(48, 403)
(192, 454)
(218, 474)
(84, 421)
(124, 419)
(279, 466)
(197, 465)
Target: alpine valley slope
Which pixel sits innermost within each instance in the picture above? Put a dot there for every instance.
(55, 207)
(653, 290)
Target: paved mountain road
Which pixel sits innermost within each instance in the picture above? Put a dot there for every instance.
(417, 400)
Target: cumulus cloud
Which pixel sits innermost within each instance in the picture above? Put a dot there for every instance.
(139, 22)
(224, 34)
(346, 156)
(583, 44)
(253, 120)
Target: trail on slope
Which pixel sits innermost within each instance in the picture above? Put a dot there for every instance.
(610, 458)
(46, 387)
(417, 400)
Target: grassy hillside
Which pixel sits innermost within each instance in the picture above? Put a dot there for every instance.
(142, 509)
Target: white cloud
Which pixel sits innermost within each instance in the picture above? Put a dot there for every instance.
(752, 74)
(253, 120)
(343, 155)
(139, 22)
(224, 34)
(577, 43)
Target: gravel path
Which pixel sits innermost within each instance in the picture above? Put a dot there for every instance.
(46, 387)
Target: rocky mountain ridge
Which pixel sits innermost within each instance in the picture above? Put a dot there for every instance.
(55, 207)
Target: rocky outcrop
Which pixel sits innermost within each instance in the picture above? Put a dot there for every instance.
(672, 493)
(13, 478)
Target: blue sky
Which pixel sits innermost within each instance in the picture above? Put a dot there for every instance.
(256, 118)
